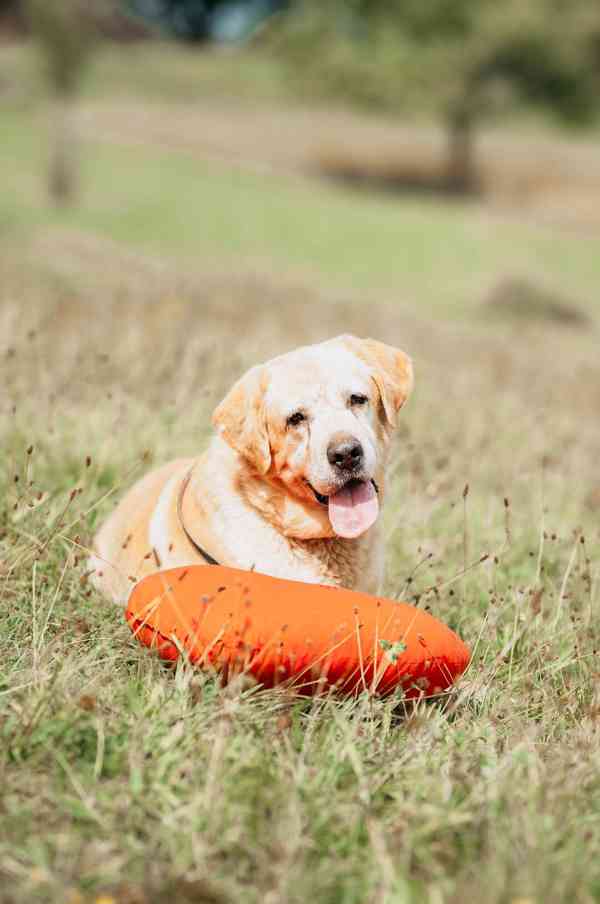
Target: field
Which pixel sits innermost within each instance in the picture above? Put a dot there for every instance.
(197, 250)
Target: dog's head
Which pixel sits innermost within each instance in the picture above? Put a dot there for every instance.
(315, 424)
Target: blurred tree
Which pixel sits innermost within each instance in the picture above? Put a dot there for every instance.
(66, 31)
(460, 59)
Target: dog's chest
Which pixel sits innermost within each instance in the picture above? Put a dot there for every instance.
(246, 537)
(253, 543)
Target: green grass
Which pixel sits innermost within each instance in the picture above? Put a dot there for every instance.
(179, 73)
(161, 70)
(123, 321)
(443, 255)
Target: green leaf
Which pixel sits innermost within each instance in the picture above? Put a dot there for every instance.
(393, 650)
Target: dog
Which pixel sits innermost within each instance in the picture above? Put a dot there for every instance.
(292, 484)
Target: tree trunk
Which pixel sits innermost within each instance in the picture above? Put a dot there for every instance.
(461, 171)
(63, 175)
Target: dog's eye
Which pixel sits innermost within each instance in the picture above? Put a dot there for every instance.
(296, 418)
(358, 399)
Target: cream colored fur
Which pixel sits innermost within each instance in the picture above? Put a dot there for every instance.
(250, 500)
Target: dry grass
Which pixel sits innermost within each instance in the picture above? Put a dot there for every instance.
(551, 180)
(123, 780)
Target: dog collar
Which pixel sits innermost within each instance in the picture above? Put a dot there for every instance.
(210, 560)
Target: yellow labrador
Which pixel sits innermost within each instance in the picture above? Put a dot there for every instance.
(292, 484)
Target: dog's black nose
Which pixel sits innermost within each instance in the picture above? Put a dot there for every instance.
(345, 453)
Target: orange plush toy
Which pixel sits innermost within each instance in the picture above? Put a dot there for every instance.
(312, 637)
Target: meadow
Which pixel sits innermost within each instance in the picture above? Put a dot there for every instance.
(204, 242)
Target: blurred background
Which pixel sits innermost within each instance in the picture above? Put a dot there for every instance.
(190, 186)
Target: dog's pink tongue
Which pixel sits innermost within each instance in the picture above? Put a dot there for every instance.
(354, 509)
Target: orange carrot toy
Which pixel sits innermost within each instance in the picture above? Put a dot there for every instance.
(308, 635)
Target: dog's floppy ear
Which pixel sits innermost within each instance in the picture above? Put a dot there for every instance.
(391, 370)
(241, 419)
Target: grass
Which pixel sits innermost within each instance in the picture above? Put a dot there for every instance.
(177, 73)
(120, 329)
(206, 211)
